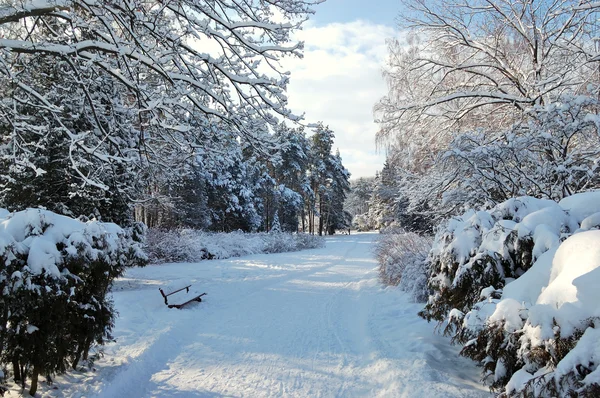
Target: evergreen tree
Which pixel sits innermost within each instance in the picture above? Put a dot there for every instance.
(276, 227)
(339, 187)
(329, 181)
(291, 174)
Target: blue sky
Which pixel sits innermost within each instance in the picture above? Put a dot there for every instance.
(339, 80)
(377, 11)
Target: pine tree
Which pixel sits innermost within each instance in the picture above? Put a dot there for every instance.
(339, 187)
(291, 175)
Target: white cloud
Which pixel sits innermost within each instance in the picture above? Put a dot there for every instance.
(338, 81)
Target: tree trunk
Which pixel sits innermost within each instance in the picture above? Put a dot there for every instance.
(34, 381)
(86, 348)
(77, 357)
(23, 375)
(320, 217)
(16, 370)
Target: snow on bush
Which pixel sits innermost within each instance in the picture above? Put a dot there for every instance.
(517, 285)
(402, 262)
(188, 245)
(55, 273)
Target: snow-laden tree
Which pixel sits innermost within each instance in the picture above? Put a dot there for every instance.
(383, 204)
(329, 182)
(291, 174)
(334, 214)
(171, 67)
(552, 154)
(357, 203)
(360, 193)
(276, 227)
(483, 62)
(233, 185)
(35, 151)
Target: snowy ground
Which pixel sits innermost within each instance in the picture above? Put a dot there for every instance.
(307, 324)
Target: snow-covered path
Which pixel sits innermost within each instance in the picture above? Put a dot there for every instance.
(307, 324)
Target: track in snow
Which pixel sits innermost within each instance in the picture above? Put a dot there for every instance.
(308, 324)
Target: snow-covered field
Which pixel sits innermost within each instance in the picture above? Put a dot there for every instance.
(307, 324)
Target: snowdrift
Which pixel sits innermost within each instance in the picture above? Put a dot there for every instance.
(517, 285)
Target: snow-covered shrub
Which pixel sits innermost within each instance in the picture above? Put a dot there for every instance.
(519, 300)
(55, 273)
(286, 242)
(550, 320)
(188, 245)
(402, 258)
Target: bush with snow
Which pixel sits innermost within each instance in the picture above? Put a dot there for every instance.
(55, 273)
(402, 258)
(523, 303)
(189, 245)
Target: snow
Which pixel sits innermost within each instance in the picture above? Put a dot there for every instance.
(578, 255)
(582, 205)
(586, 351)
(553, 217)
(518, 381)
(519, 208)
(560, 304)
(43, 255)
(590, 222)
(530, 285)
(559, 289)
(309, 323)
(508, 311)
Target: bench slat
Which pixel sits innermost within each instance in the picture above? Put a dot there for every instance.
(178, 306)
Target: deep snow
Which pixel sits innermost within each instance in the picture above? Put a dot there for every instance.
(307, 324)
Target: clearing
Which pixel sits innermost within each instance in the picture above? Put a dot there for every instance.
(306, 324)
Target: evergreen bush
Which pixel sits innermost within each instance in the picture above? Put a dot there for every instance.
(55, 275)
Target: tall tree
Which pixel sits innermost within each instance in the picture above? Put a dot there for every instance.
(329, 182)
(339, 186)
(291, 174)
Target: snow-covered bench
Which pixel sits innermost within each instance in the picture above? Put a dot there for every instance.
(194, 296)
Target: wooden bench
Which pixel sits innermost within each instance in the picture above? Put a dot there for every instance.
(187, 290)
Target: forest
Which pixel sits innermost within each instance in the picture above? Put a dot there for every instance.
(136, 132)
